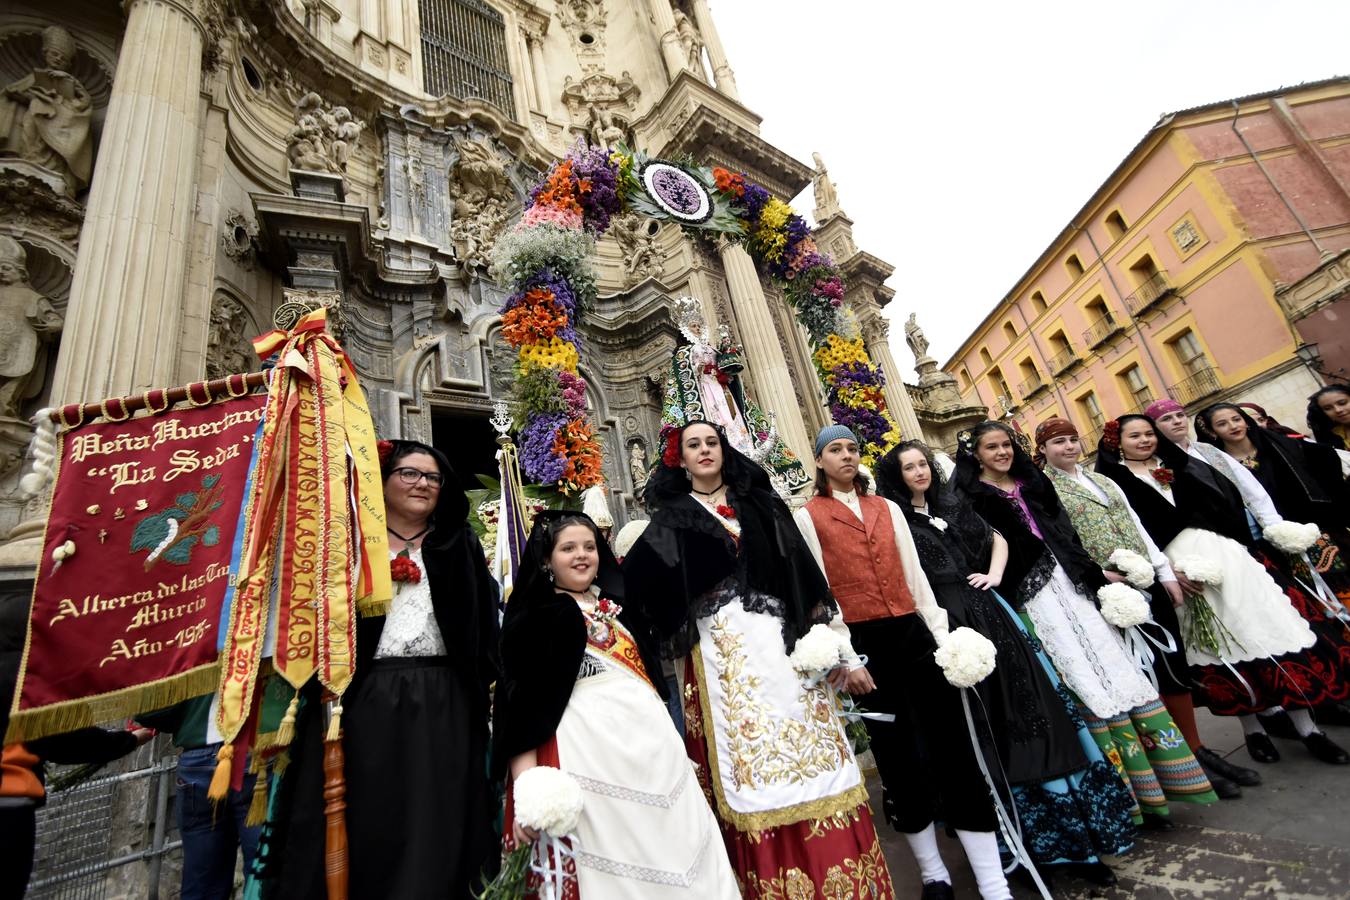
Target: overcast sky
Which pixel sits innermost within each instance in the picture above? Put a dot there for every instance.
(963, 136)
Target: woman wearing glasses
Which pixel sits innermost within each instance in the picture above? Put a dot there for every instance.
(415, 719)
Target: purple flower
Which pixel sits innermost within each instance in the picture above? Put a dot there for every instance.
(754, 200)
(562, 293)
(573, 393)
(537, 458)
(601, 202)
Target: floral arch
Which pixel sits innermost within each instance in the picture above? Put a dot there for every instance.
(545, 259)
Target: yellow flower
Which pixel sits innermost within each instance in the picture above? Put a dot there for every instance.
(555, 353)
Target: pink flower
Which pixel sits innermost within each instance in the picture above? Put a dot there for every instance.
(551, 215)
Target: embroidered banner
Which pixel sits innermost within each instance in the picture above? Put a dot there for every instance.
(134, 566)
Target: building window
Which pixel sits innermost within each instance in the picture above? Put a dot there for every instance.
(1009, 332)
(1115, 225)
(1074, 266)
(985, 358)
(1061, 352)
(965, 380)
(1038, 302)
(1000, 385)
(464, 52)
(1091, 410)
(1137, 388)
(1144, 271)
(1189, 353)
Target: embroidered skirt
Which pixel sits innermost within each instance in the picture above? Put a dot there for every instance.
(775, 762)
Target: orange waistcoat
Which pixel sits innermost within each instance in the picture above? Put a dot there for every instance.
(862, 563)
(17, 778)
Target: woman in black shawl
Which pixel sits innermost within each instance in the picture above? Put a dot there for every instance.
(1069, 801)
(1248, 646)
(415, 718)
(727, 579)
(1329, 416)
(577, 693)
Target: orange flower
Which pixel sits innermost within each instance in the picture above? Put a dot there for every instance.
(576, 444)
(558, 189)
(536, 319)
(729, 182)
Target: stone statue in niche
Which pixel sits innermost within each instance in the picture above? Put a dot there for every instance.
(637, 241)
(637, 466)
(225, 353)
(45, 116)
(322, 140)
(604, 130)
(481, 186)
(27, 323)
(690, 42)
(918, 344)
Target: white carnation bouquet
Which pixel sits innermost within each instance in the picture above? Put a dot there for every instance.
(817, 652)
(966, 657)
(1136, 569)
(549, 801)
(1293, 537)
(1198, 568)
(1122, 605)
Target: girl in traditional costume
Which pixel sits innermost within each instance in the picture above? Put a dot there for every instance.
(1329, 417)
(1070, 804)
(727, 579)
(577, 694)
(925, 757)
(1052, 581)
(1106, 524)
(1248, 645)
(415, 718)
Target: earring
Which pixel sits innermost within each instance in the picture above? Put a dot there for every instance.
(550, 575)
(687, 476)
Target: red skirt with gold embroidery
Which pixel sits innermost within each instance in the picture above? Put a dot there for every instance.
(838, 858)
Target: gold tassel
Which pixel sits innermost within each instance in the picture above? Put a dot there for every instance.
(280, 762)
(257, 807)
(286, 731)
(220, 778)
(335, 724)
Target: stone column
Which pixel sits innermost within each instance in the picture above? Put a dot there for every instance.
(536, 43)
(123, 319)
(722, 74)
(670, 39)
(768, 366)
(876, 339)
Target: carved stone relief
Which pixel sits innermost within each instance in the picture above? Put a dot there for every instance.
(602, 105)
(226, 349)
(28, 323)
(636, 237)
(322, 139)
(238, 238)
(479, 183)
(46, 116)
(585, 21)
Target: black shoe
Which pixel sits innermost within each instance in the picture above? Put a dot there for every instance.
(1325, 749)
(1214, 764)
(1278, 725)
(1158, 823)
(1261, 749)
(937, 890)
(1023, 875)
(1333, 714)
(1098, 873)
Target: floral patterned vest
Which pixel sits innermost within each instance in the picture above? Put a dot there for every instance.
(1103, 526)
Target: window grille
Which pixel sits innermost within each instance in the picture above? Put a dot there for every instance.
(464, 52)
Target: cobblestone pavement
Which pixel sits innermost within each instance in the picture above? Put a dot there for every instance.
(1288, 838)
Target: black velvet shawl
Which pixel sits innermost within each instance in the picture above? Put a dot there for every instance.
(1025, 550)
(1303, 479)
(684, 552)
(544, 641)
(1198, 503)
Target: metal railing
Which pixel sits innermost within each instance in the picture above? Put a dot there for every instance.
(1141, 403)
(1200, 385)
(1031, 386)
(1100, 330)
(1063, 360)
(1149, 293)
(1003, 404)
(1089, 438)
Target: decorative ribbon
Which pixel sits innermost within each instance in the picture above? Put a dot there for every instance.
(547, 860)
(1326, 597)
(1008, 823)
(313, 539)
(1137, 645)
(849, 710)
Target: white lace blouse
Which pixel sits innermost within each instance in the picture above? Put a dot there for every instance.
(410, 629)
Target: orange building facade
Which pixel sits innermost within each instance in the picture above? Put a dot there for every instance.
(1187, 274)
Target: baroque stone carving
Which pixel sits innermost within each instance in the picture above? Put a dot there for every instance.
(45, 116)
(322, 140)
(826, 194)
(637, 465)
(479, 182)
(691, 42)
(238, 237)
(28, 321)
(636, 237)
(603, 105)
(32, 202)
(585, 21)
(225, 352)
(918, 344)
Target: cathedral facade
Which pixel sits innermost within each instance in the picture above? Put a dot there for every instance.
(178, 176)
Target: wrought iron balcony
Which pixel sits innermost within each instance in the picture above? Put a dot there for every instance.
(1197, 387)
(1150, 292)
(1089, 438)
(1100, 330)
(1063, 360)
(1003, 404)
(1141, 403)
(1030, 386)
